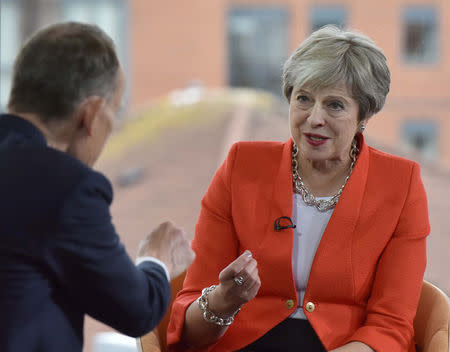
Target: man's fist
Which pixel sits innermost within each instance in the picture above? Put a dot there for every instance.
(168, 244)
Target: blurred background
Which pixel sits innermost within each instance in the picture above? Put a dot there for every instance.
(204, 73)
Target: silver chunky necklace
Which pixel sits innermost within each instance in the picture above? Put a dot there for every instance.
(308, 198)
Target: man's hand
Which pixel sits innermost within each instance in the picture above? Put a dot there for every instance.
(168, 244)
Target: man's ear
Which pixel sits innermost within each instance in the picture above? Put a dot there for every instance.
(87, 113)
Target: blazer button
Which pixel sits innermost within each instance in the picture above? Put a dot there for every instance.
(310, 307)
(289, 304)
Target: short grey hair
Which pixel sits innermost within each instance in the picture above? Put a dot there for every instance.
(59, 67)
(330, 56)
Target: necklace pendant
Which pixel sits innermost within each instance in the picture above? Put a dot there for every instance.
(308, 198)
(324, 205)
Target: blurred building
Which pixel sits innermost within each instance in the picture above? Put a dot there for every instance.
(172, 44)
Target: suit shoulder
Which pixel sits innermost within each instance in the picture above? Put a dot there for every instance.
(258, 150)
(38, 183)
(385, 160)
(252, 160)
(64, 160)
(40, 160)
(260, 145)
(67, 167)
(44, 173)
(75, 172)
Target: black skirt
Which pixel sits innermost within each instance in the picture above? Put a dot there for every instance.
(290, 335)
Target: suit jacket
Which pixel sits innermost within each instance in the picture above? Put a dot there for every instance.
(60, 257)
(366, 276)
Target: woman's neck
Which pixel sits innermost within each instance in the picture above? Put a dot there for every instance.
(323, 178)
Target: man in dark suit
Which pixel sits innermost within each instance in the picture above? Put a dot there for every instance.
(60, 257)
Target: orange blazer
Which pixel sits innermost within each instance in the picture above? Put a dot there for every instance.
(366, 276)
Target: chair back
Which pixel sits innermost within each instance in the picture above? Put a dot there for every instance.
(156, 340)
(431, 324)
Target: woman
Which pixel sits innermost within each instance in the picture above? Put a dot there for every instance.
(317, 243)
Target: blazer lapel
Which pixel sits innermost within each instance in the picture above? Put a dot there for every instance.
(281, 200)
(332, 261)
(276, 246)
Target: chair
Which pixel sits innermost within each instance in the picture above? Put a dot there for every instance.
(155, 340)
(431, 324)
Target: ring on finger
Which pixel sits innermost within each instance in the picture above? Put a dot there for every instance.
(238, 280)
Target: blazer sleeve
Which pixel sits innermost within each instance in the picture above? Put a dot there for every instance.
(215, 244)
(398, 281)
(92, 267)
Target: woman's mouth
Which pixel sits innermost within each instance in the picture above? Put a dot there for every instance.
(315, 139)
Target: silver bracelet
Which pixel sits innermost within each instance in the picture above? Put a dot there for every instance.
(210, 316)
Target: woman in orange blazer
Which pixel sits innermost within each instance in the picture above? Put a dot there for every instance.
(318, 243)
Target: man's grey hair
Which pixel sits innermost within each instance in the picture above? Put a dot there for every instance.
(331, 56)
(59, 67)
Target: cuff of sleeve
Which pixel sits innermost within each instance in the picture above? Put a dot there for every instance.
(177, 320)
(379, 340)
(140, 260)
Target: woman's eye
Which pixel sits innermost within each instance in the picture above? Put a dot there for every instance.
(336, 105)
(302, 98)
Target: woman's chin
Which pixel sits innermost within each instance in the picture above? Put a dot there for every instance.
(314, 154)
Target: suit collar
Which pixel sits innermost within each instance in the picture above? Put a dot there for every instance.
(338, 235)
(350, 201)
(282, 187)
(22, 130)
(347, 209)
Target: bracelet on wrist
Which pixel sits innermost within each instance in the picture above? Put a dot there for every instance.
(209, 315)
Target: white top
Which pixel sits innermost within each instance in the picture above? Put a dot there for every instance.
(311, 224)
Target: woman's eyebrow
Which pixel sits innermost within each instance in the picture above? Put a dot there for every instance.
(339, 97)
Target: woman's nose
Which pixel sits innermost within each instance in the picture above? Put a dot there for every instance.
(317, 116)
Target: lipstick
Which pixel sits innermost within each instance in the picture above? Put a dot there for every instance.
(315, 139)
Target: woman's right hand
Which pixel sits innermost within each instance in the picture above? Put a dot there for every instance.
(229, 295)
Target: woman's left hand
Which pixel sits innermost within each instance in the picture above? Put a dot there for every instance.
(239, 283)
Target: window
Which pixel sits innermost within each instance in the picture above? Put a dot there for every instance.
(330, 14)
(420, 34)
(10, 42)
(110, 15)
(257, 42)
(107, 14)
(421, 137)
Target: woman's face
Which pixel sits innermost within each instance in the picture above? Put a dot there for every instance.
(323, 123)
